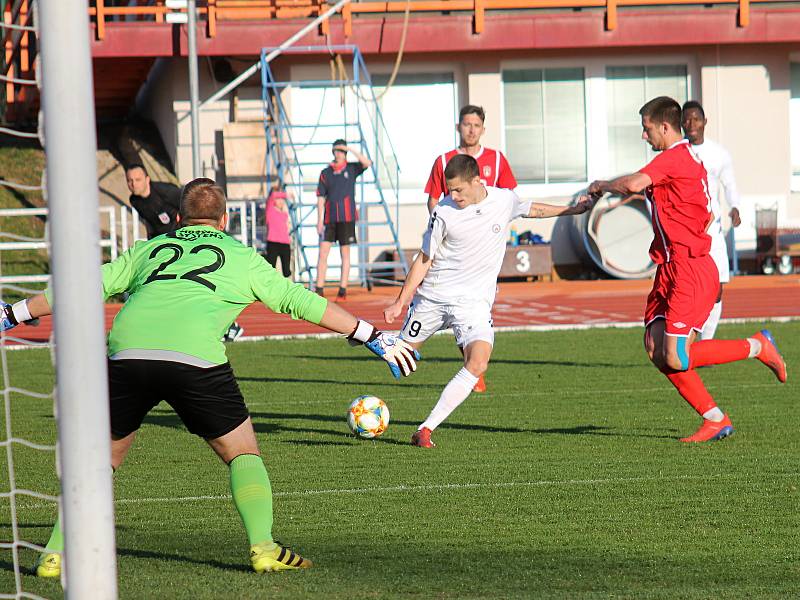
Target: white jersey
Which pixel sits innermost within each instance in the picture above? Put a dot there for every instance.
(467, 246)
(719, 167)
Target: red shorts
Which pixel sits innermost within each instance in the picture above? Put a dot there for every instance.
(684, 292)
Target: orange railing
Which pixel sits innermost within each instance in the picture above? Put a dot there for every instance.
(215, 11)
(19, 53)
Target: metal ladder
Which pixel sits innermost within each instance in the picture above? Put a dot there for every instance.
(294, 161)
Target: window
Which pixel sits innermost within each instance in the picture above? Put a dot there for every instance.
(628, 89)
(420, 115)
(545, 124)
(794, 124)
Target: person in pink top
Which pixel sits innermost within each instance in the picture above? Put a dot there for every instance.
(277, 219)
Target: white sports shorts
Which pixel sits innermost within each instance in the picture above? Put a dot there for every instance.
(719, 252)
(470, 321)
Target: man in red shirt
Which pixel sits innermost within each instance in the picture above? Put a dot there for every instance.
(492, 165)
(686, 282)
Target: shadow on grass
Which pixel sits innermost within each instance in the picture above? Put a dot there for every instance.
(493, 361)
(306, 380)
(276, 423)
(150, 554)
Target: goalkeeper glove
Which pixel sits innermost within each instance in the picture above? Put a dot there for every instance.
(7, 318)
(400, 356)
(11, 316)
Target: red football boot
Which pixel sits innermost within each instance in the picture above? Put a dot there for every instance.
(711, 431)
(422, 438)
(769, 354)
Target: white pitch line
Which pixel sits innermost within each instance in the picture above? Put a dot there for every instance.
(508, 328)
(450, 486)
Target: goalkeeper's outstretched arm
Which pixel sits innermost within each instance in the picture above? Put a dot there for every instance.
(23, 311)
(400, 357)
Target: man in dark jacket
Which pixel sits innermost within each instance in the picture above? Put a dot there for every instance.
(156, 202)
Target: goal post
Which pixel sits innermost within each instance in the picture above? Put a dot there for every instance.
(81, 375)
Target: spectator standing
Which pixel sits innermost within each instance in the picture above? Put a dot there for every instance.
(278, 242)
(336, 211)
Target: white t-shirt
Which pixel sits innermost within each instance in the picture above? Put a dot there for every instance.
(719, 167)
(467, 246)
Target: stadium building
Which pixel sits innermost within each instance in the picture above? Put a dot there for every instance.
(561, 84)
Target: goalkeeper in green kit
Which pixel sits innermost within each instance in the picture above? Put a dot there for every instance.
(186, 287)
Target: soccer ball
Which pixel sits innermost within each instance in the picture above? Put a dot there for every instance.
(368, 417)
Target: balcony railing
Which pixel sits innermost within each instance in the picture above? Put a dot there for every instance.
(213, 12)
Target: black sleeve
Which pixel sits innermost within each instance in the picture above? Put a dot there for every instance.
(356, 168)
(171, 194)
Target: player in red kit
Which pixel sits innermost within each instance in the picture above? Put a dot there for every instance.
(492, 165)
(686, 282)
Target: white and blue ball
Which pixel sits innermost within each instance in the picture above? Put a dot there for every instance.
(368, 417)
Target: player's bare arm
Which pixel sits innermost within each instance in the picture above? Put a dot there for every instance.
(419, 269)
(544, 211)
(320, 214)
(12, 315)
(365, 162)
(432, 202)
(623, 186)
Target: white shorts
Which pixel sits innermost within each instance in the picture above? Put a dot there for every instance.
(470, 321)
(719, 252)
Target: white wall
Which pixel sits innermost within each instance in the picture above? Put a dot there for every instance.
(745, 90)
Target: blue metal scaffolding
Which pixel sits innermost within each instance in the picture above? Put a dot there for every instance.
(294, 159)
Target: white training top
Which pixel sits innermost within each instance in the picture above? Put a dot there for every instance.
(719, 167)
(467, 246)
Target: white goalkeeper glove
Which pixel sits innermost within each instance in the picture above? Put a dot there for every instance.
(400, 356)
(11, 316)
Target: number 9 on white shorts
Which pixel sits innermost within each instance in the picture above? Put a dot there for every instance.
(470, 321)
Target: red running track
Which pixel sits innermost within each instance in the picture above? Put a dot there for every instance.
(529, 304)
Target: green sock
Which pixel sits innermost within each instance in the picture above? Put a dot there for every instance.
(56, 541)
(252, 495)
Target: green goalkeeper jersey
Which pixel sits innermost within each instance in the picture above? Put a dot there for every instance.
(186, 288)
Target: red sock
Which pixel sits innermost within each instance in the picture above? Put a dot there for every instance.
(717, 352)
(690, 386)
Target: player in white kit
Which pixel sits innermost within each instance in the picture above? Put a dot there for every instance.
(453, 279)
(719, 167)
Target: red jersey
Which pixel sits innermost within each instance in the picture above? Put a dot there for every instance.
(493, 166)
(681, 210)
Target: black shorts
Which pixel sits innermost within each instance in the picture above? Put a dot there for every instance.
(343, 232)
(208, 401)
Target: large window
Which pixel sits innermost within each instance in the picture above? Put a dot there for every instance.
(545, 124)
(420, 114)
(794, 124)
(628, 89)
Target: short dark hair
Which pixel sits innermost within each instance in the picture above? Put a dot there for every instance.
(202, 200)
(471, 109)
(693, 104)
(133, 166)
(463, 167)
(339, 142)
(663, 110)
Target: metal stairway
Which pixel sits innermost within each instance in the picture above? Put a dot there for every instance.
(297, 151)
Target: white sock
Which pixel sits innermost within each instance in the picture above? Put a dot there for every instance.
(453, 394)
(715, 414)
(755, 347)
(710, 326)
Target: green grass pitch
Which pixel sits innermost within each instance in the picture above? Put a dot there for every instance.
(566, 480)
